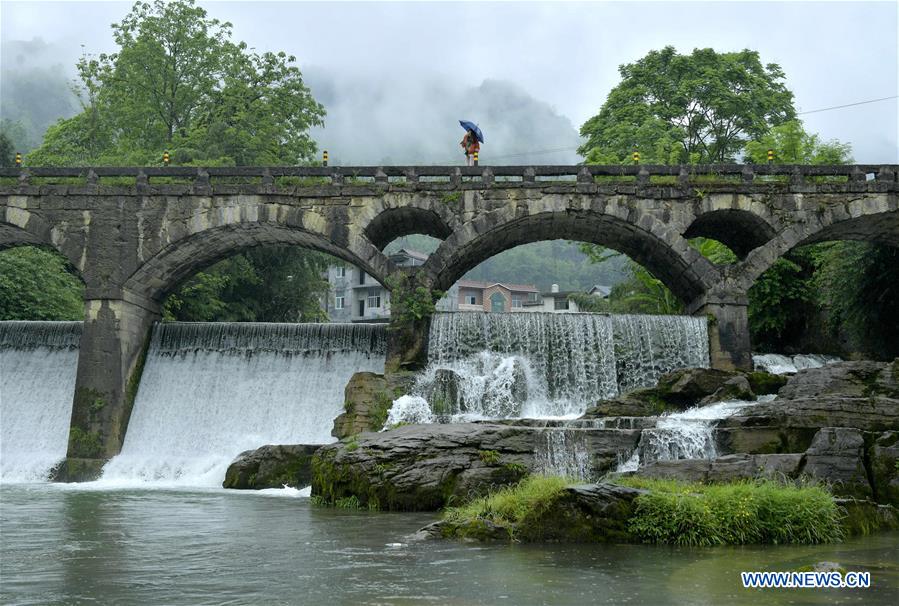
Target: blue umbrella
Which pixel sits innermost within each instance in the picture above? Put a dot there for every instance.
(472, 126)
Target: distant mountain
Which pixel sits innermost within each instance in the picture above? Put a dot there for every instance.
(389, 120)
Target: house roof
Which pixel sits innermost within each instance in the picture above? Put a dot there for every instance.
(411, 253)
(484, 285)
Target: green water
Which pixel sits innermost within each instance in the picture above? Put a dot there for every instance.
(75, 545)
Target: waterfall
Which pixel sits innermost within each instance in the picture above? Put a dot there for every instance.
(212, 390)
(489, 365)
(564, 453)
(683, 435)
(38, 364)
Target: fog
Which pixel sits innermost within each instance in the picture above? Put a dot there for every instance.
(395, 78)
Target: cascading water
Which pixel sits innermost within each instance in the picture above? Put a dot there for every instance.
(485, 365)
(779, 364)
(38, 364)
(212, 390)
(683, 435)
(563, 452)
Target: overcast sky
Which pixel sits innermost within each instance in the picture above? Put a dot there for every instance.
(562, 54)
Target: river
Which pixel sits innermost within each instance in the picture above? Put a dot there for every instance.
(80, 544)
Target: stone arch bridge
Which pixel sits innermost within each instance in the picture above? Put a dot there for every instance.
(135, 234)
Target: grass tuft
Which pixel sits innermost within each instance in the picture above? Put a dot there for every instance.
(682, 513)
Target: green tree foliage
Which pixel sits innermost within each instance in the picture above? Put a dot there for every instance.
(179, 83)
(858, 289)
(793, 145)
(782, 301)
(675, 108)
(37, 284)
(272, 284)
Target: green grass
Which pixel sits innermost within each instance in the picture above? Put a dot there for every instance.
(513, 504)
(682, 513)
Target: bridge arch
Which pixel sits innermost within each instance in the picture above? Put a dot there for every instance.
(425, 216)
(178, 260)
(644, 238)
(740, 230)
(864, 219)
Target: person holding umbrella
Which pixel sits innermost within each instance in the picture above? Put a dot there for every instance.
(471, 142)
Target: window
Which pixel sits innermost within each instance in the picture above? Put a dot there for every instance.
(497, 302)
(532, 297)
(516, 301)
(361, 277)
(339, 300)
(374, 299)
(341, 271)
(561, 303)
(471, 298)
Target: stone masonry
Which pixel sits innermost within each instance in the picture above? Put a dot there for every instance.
(134, 243)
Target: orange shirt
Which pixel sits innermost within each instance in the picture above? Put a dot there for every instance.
(471, 144)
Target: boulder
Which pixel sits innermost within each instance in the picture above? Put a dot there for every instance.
(585, 513)
(691, 384)
(272, 467)
(735, 388)
(424, 467)
(367, 400)
(836, 456)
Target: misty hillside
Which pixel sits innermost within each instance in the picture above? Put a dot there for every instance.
(35, 90)
(385, 119)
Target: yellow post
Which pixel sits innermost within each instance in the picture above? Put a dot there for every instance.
(18, 160)
(324, 157)
(636, 157)
(165, 158)
(770, 156)
(476, 158)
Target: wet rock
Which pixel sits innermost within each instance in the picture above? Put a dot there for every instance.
(367, 400)
(837, 457)
(424, 467)
(585, 513)
(272, 466)
(692, 384)
(443, 394)
(728, 468)
(735, 388)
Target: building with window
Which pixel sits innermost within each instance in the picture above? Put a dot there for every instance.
(494, 296)
(354, 296)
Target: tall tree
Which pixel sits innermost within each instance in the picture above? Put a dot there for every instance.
(675, 108)
(179, 83)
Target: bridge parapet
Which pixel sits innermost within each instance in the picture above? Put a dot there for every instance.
(358, 180)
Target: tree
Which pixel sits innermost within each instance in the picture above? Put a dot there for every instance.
(675, 108)
(261, 285)
(791, 144)
(36, 284)
(179, 83)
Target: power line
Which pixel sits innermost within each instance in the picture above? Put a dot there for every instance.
(826, 109)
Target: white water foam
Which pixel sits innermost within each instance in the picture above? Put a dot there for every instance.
(779, 364)
(683, 435)
(563, 452)
(409, 409)
(211, 391)
(38, 364)
(545, 365)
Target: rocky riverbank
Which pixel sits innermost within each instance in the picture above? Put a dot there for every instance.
(837, 426)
